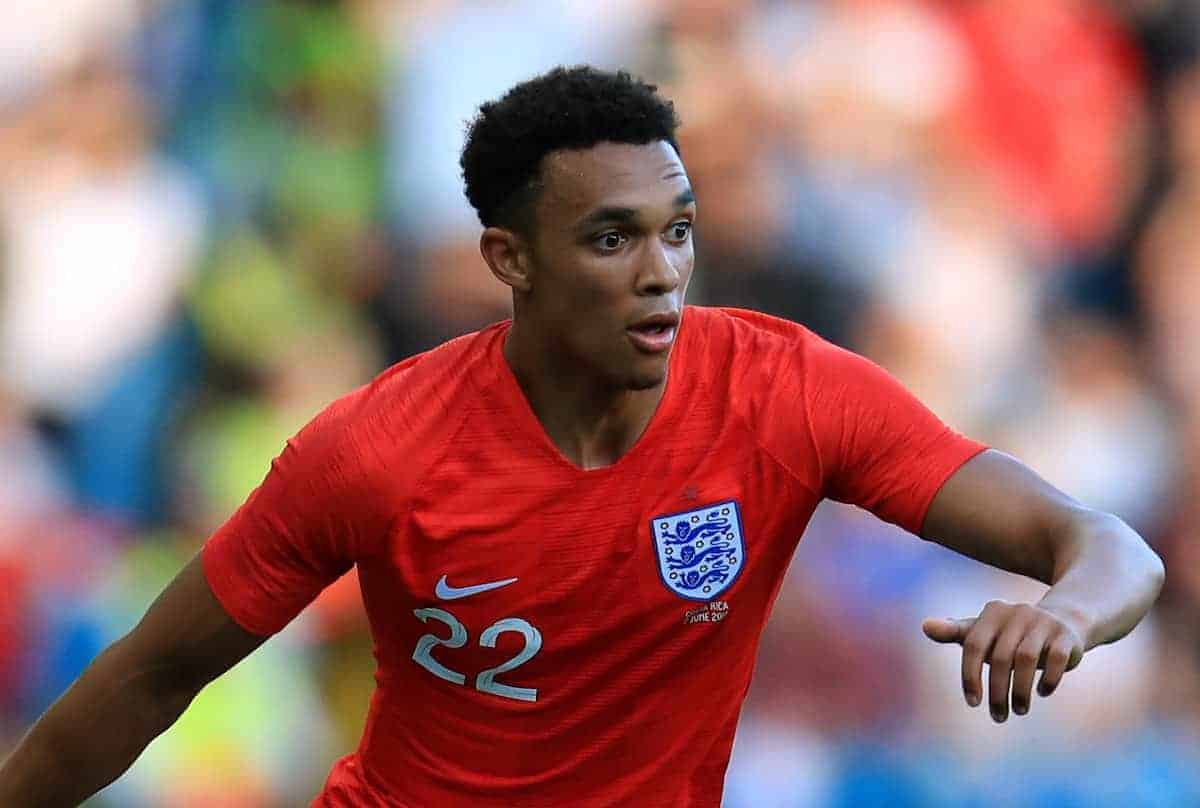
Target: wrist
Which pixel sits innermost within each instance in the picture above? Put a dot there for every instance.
(1074, 617)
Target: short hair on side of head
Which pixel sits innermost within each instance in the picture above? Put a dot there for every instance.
(565, 108)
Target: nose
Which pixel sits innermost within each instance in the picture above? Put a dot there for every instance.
(658, 274)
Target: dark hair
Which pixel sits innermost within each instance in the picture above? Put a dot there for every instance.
(566, 108)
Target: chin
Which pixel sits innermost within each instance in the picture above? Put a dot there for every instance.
(645, 382)
(646, 379)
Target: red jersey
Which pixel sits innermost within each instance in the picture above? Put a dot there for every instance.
(547, 635)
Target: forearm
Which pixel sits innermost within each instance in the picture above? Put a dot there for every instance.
(91, 735)
(1105, 579)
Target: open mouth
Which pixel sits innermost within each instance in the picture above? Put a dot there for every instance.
(654, 334)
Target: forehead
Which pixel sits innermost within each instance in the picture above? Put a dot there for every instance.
(628, 175)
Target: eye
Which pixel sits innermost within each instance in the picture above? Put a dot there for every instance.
(610, 241)
(680, 230)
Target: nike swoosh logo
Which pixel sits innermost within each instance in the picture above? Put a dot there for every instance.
(444, 591)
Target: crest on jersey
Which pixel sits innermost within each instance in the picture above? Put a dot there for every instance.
(700, 552)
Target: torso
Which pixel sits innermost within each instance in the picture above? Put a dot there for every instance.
(614, 665)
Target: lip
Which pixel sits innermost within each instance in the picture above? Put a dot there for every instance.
(654, 342)
(669, 319)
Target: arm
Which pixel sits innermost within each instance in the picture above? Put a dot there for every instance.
(131, 693)
(1103, 578)
(314, 515)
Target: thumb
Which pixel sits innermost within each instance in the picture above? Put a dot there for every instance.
(947, 629)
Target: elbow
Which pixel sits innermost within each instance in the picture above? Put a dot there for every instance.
(1141, 559)
(1156, 569)
(1151, 564)
(160, 688)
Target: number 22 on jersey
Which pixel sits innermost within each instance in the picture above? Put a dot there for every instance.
(485, 681)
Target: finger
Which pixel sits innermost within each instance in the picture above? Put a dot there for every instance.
(948, 629)
(1025, 664)
(1001, 660)
(1059, 658)
(976, 647)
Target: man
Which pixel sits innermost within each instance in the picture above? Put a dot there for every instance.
(569, 529)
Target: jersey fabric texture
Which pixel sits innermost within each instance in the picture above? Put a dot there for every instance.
(604, 674)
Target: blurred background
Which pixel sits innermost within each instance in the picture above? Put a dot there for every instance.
(217, 216)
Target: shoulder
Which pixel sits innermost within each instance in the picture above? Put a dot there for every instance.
(769, 371)
(436, 376)
(748, 346)
(394, 420)
(732, 330)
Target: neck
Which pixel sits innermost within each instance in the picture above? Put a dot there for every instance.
(590, 421)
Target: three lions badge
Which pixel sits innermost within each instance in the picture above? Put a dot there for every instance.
(700, 552)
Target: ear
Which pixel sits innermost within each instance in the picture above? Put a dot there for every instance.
(507, 256)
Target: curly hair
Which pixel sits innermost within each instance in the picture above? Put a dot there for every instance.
(565, 108)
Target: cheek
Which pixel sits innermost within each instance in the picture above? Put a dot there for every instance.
(689, 264)
(599, 286)
(684, 266)
(585, 301)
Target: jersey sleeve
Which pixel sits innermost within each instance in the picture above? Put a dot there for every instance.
(309, 521)
(877, 446)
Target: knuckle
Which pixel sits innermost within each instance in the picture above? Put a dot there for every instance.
(974, 645)
(1058, 654)
(1026, 656)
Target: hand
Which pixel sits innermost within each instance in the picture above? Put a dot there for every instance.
(1015, 639)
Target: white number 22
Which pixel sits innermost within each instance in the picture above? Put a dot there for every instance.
(485, 682)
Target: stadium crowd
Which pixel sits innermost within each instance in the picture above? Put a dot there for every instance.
(218, 216)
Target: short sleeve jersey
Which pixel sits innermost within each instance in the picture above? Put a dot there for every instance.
(547, 635)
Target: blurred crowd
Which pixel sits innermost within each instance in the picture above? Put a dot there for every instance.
(217, 216)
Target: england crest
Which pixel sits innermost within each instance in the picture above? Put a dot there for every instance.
(700, 552)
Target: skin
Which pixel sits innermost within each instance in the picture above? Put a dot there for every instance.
(578, 281)
(612, 244)
(127, 696)
(1103, 577)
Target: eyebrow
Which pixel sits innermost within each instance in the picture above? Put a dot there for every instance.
(622, 215)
